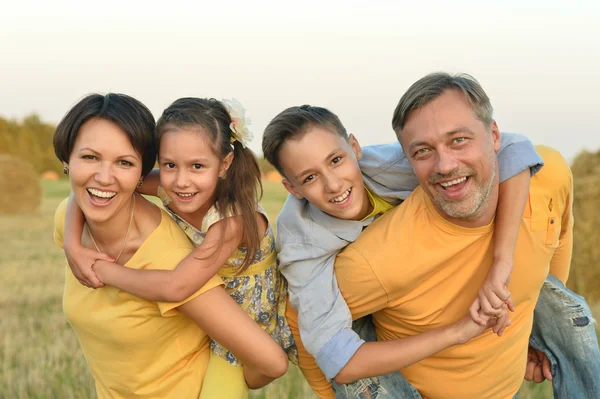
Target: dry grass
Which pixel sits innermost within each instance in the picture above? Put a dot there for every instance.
(21, 191)
(39, 354)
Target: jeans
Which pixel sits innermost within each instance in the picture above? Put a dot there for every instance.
(563, 328)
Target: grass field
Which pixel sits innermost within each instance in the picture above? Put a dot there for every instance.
(39, 354)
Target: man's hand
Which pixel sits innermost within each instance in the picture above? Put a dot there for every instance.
(493, 294)
(81, 261)
(538, 366)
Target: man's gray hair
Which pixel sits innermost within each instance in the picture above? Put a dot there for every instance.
(434, 85)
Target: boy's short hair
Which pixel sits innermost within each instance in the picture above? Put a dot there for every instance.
(292, 123)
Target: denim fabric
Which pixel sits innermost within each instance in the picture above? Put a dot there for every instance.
(308, 241)
(563, 328)
(392, 385)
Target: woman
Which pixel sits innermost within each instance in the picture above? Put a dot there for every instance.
(136, 347)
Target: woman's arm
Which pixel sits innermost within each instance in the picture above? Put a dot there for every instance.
(223, 320)
(150, 183)
(80, 258)
(191, 274)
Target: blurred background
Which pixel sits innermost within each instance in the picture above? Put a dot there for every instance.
(537, 60)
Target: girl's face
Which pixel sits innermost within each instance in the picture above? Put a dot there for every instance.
(190, 170)
(104, 169)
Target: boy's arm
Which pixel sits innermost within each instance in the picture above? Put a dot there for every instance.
(191, 274)
(80, 258)
(517, 161)
(150, 183)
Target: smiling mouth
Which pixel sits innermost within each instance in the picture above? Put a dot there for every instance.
(101, 194)
(186, 196)
(342, 199)
(454, 182)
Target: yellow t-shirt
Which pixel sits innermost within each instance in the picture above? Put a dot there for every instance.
(134, 347)
(379, 205)
(415, 271)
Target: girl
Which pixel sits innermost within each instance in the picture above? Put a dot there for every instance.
(133, 347)
(209, 183)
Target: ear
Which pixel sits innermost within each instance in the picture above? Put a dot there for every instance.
(66, 165)
(495, 136)
(226, 163)
(355, 147)
(290, 188)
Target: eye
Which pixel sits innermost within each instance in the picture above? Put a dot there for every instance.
(88, 157)
(459, 140)
(336, 160)
(169, 165)
(197, 166)
(421, 151)
(125, 163)
(308, 179)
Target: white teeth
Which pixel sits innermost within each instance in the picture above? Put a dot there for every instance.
(101, 194)
(342, 197)
(453, 182)
(185, 195)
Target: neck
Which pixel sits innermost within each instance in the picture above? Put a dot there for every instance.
(110, 234)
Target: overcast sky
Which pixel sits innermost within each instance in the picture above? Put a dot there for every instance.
(539, 61)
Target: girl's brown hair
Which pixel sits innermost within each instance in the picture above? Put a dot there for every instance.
(240, 190)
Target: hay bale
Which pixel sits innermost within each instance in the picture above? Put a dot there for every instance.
(273, 175)
(585, 272)
(20, 189)
(49, 175)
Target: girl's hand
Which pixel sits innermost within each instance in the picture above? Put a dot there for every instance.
(81, 261)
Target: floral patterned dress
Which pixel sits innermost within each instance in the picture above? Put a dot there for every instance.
(261, 290)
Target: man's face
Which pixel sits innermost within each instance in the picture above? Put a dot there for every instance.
(453, 155)
(323, 168)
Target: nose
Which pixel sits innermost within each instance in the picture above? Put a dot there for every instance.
(446, 162)
(182, 179)
(105, 176)
(333, 183)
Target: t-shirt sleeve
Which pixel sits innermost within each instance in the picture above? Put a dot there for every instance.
(59, 223)
(170, 262)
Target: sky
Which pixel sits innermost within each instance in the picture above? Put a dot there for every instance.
(539, 61)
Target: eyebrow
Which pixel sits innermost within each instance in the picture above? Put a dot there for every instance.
(196, 160)
(460, 129)
(97, 153)
(304, 172)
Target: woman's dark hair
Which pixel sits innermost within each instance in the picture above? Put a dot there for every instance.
(240, 190)
(126, 112)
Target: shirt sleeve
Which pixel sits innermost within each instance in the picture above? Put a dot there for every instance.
(169, 262)
(517, 154)
(59, 223)
(561, 260)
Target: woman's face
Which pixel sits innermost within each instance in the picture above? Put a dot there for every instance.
(104, 169)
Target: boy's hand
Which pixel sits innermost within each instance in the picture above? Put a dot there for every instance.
(538, 366)
(493, 294)
(466, 329)
(81, 261)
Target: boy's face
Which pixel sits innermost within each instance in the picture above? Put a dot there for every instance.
(323, 168)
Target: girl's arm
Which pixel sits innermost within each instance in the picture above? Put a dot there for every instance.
(374, 359)
(494, 294)
(223, 320)
(150, 183)
(191, 274)
(80, 258)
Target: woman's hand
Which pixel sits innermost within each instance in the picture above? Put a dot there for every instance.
(81, 261)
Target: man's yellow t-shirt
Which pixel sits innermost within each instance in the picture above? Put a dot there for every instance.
(133, 347)
(415, 271)
(380, 206)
